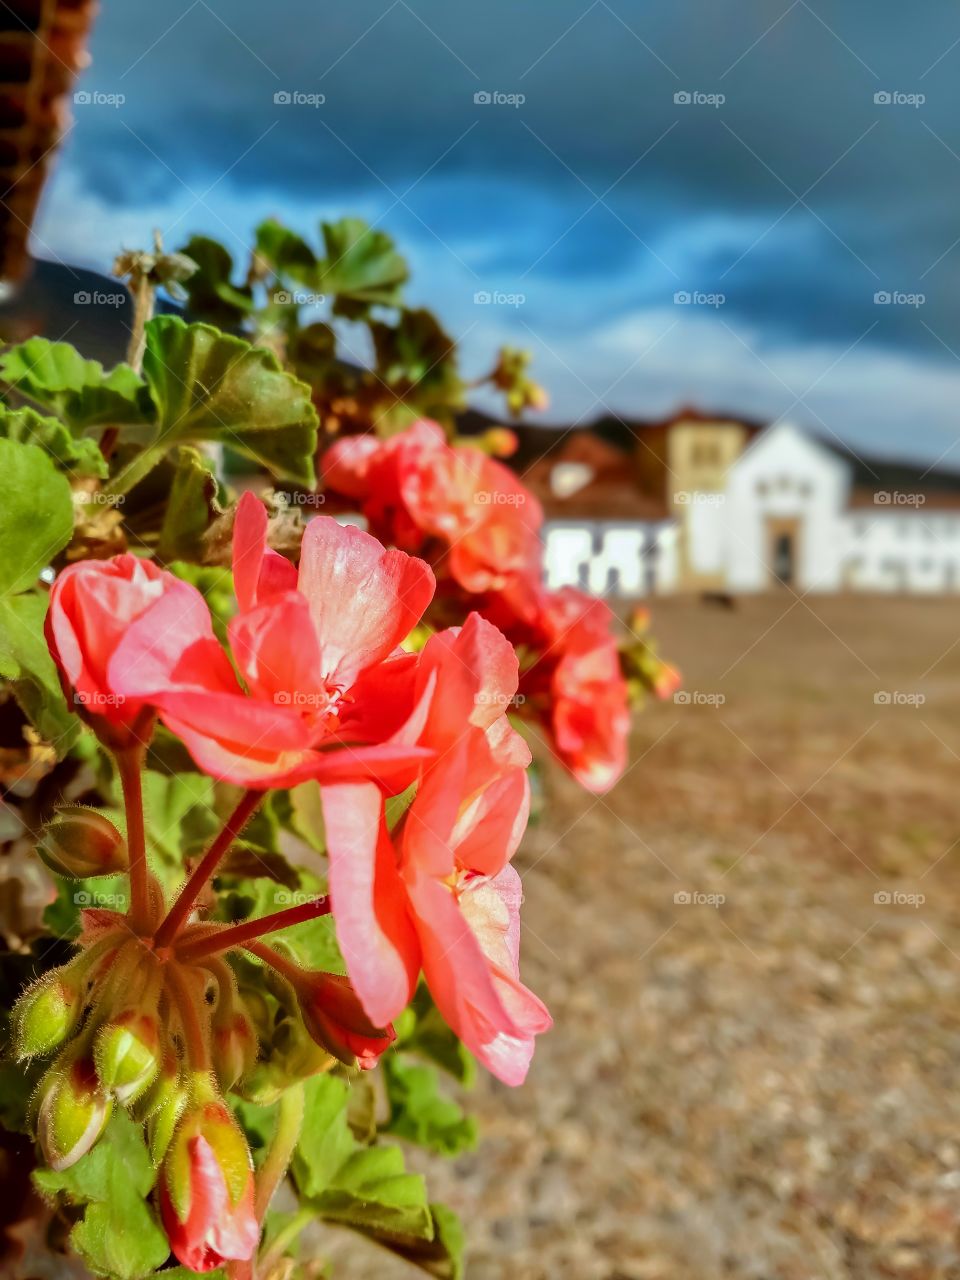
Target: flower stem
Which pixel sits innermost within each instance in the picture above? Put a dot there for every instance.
(285, 1139)
(130, 765)
(239, 935)
(205, 868)
(195, 1035)
(285, 1236)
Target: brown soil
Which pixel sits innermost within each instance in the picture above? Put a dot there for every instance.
(763, 1088)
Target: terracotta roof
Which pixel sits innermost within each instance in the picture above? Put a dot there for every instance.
(42, 48)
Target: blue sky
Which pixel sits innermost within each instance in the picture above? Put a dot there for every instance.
(781, 198)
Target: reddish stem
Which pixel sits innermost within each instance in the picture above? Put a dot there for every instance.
(129, 766)
(241, 934)
(205, 868)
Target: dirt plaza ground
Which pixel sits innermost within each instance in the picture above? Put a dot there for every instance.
(751, 948)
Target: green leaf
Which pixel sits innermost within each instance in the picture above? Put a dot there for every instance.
(36, 514)
(420, 1113)
(191, 507)
(362, 267)
(210, 386)
(373, 1193)
(442, 1256)
(210, 292)
(25, 661)
(326, 1142)
(119, 1235)
(56, 376)
(366, 1188)
(180, 814)
(81, 456)
(422, 1030)
(287, 254)
(62, 916)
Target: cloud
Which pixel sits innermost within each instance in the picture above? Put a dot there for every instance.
(798, 197)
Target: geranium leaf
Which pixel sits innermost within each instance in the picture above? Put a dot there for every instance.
(56, 376)
(326, 1142)
(119, 1235)
(211, 294)
(442, 1256)
(362, 267)
(180, 815)
(36, 514)
(25, 661)
(422, 1030)
(192, 505)
(210, 386)
(79, 455)
(287, 254)
(373, 1193)
(421, 1114)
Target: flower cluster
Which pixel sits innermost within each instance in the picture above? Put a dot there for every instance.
(152, 1014)
(477, 524)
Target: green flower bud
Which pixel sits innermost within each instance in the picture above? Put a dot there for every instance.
(163, 1106)
(73, 1113)
(47, 1013)
(234, 1046)
(80, 842)
(127, 1054)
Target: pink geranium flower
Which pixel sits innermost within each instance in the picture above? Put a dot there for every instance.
(326, 691)
(456, 504)
(91, 606)
(437, 893)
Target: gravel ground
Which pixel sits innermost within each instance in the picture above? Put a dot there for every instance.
(763, 1087)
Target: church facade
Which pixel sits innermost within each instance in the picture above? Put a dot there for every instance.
(746, 510)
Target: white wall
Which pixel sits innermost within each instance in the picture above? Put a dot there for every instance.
(903, 549)
(611, 557)
(785, 474)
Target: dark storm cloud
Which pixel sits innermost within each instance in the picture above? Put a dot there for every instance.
(799, 198)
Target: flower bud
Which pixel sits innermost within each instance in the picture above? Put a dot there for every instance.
(79, 842)
(334, 1016)
(127, 1054)
(234, 1046)
(163, 1105)
(47, 1013)
(73, 1113)
(206, 1186)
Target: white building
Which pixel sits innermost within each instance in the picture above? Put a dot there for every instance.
(746, 511)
